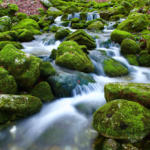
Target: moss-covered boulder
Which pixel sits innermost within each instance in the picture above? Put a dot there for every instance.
(52, 11)
(24, 67)
(26, 24)
(78, 26)
(106, 15)
(127, 6)
(34, 17)
(43, 91)
(144, 59)
(136, 22)
(5, 37)
(13, 34)
(137, 92)
(71, 9)
(84, 48)
(26, 36)
(83, 16)
(82, 38)
(47, 70)
(96, 26)
(7, 82)
(21, 16)
(122, 119)
(15, 44)
(129, 46)
(41, 11)
(75, 20)
(119, 10)
(110, 144)
(116, 17)
(62, 33)
(118, 36)
(70, 55)
(8, 9)
(65, 23)
(19, 106)
(35, 32)
(64, 17)
(53, 54)
(5, 23)
(132, 59)
(54, 29)
(63, 83)
(111, 67)
(44, 23)
(46, 3)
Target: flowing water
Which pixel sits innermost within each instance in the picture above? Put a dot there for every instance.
(61, 124)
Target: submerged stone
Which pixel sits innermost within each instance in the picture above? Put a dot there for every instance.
(137, 92)
(122, 119)
(70, 55)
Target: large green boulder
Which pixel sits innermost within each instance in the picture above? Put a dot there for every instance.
(21, 16)
(136, 22)
(43, 91)
(5, 37)
(118, 36)
(122, 119)
(52, 11)
(62, 33)
(144, 59)
(106, 14)
(82, 38)
(111, 67)
(24, 67)
(46, 3)
(70, 55)
(19, 106)
(96, 26)
(71, 9)
(26, 24)
(75, 20)
(35, 17)
(129, 46)
(47, 70)
(127, 6)
(13, 34)
(137, 92)
(26, 36)
(64, 17)
(15, 44)
(78, 26)
(132, 59)
(63, 83)
(83, 16)
(7, 82)
(119, 10)
(5, 23)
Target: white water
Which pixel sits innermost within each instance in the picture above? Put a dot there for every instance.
(62, 114)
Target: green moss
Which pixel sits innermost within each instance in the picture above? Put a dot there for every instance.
(21, 16)
(96, 26)
(75, 20)
(46, 29)
(129, 46)
(5, 37)
(65, 24)
(41, 11)
(70, 55)
(15, 44)
(64, 17)
(13, 34)
(84, 48)
(78, 26)
(4, 117)
(26, 24)
(44, 22)
(91, 21)
(54, 28)
(43, 91)
(5, 23)
(53, 54)
(135, 22)
(132, 59)
(25, 68)
(46, 3)
(116, 17)
(62, 33)
(71, 9)
(83, 16)
(34, 17)
(82, 38)
(118, 36)
(54, 12)
(144, 59)
(127, 6)
(118, 119)
(47, 70)
(35, 32)
(26, 36)
(137, 92)
(148, 45)
(113, 68)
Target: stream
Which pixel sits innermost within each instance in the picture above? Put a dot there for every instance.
(59, 125)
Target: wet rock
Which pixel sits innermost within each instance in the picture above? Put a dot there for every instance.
(129, 146)
(62, 33)
(5, 23)
(63, 83)
(91, 134)
(26, 36)
(78, 26)
(83, 16)
(110, 144)
(96, 26)
(71, 9)
(64, 17)
(13, 34)
(127, 6)
(19, 106)
(46, 3)
(111, 67)
(82, 38)
(144, 59)
(70, 55)
(129, 46)
(106, 15)
(52, 11)
(135, 22)
(137, 92)
(118, 36)
(132, 59)
(53, 54)
(24, 67)
(43, 91)
(118, 119)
